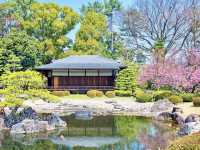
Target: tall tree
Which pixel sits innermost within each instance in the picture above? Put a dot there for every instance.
(19, 51)
(153, 20)
(109, 8)
(90, 37)
(49, 23)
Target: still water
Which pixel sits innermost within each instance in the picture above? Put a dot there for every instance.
(98, 133)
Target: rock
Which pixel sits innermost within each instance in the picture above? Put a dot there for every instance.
(31, 126)
(7, 111)
(164, 116)
(192, 118)
(28, 113)
(177, 118)
(189, 128)
(162, 106)
(44, 126)
(55, 120)
(18, 129)
(2, 125)
(19, 110)
(14, 117)
(177, 110)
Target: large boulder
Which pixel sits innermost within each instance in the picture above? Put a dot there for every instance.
(17, 116)
(2, 124)
(177, 118)
(164, 116)
(55, 120)
(189, 128)
(162, 106)
(192, 118)
(17, 129)
(31, 126)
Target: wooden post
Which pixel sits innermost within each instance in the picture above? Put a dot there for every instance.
(56, 82)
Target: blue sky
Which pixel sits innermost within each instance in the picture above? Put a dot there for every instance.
(76, 5)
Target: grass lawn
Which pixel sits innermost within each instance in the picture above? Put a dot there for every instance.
(85, 97)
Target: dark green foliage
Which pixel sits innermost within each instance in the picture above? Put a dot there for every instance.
(175, 99)
(191, 142)
(127, 78)
(161, 94)
(187, 97)
(142, 96)
(196, 101)
(123, 93)
(61, 93)
(110, 94)
(18, 51)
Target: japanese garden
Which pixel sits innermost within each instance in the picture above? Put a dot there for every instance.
(100, 75)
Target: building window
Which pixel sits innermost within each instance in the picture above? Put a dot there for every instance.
(91, 72)
(76, 72)
(105, 73)
(60, 73)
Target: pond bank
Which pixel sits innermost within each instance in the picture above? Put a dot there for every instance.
(102, 107)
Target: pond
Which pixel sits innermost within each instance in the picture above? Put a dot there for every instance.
(97, 133)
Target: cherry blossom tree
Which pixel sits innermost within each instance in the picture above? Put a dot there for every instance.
(171, 73)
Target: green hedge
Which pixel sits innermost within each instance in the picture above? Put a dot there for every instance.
(143, 97)
(187, 97)
(94, 93)
(175, 99)
(61, 93)
(196, 101)
(110, 94)
(127, 78)
(123, 93)
(161, 94)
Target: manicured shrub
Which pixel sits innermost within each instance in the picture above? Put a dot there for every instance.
(190, 142)
(127, 78)
(175, 99)
(123, 93)
(19, 86)
(161, 94)
(61, 93)
(196, 101)
(110, 94)
(99, 93)
(43, 94)
(143, 97)
(91, 93)
(187, 97)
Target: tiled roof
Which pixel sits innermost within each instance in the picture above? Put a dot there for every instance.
(82, 62)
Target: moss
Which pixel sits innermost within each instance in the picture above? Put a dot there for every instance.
(191, 142)
(175, 99)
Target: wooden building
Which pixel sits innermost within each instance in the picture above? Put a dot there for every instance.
(81, 73)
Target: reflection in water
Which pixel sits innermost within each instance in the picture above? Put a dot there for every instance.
(100, 133)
